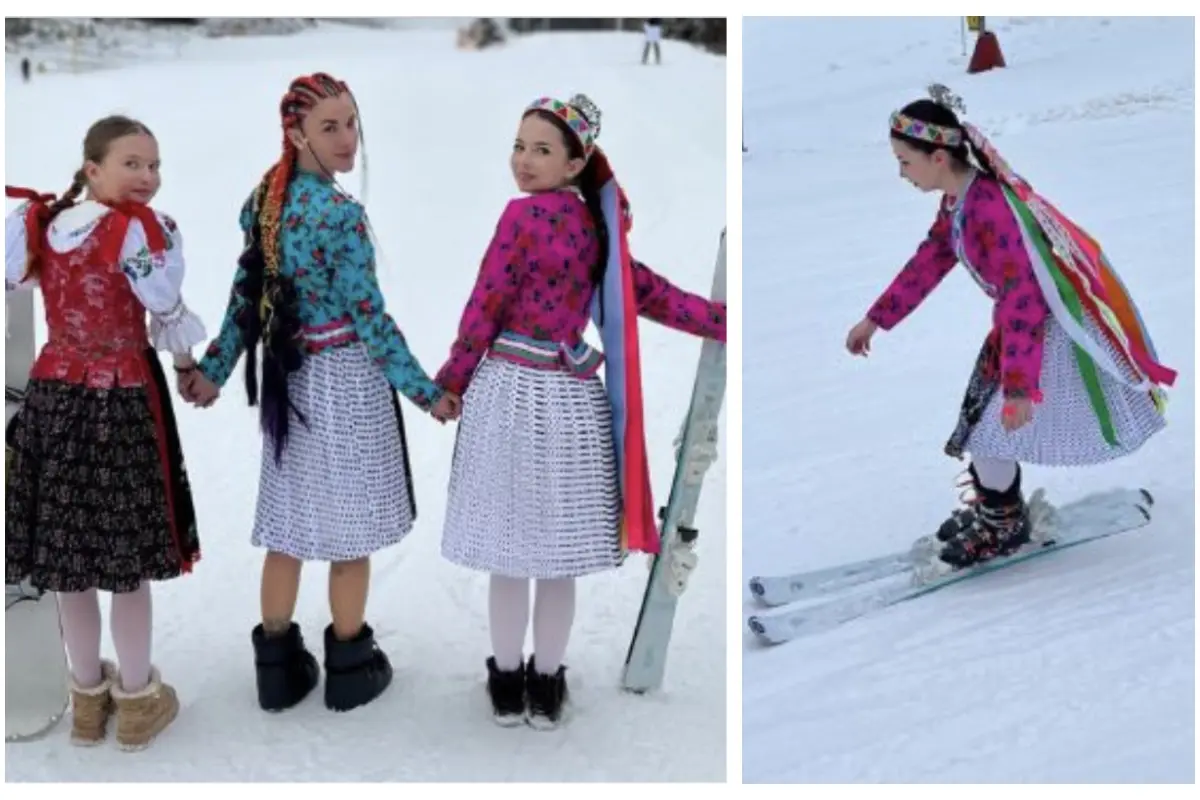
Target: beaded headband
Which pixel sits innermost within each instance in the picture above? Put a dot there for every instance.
(580, 114)
(927, 131)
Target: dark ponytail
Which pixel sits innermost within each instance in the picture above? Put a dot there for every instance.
(589, 187)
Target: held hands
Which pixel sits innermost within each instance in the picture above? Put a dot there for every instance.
(858, 341)
(1017, 413)
(192, 385)
(448, 407)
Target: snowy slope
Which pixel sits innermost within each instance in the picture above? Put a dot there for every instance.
(1078, 667)
(439, 127)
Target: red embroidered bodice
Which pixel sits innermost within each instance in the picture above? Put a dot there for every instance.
(97, 326)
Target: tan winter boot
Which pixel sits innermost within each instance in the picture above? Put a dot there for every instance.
(91, 708)
(142, 715)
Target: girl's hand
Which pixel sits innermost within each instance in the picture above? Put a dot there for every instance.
(1017, 413)
(858, 341)
(448, 407)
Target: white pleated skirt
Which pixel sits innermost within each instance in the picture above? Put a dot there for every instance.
(533, 490)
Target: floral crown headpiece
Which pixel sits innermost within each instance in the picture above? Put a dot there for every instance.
(580, 114)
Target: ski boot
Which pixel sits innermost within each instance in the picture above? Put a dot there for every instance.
(356, 670)
(506, 688)
(547, 696)
(961, 519)
(285, 670)
(1001, 526)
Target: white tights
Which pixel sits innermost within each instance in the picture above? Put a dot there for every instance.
(131, 627)
(553, 616)
(994, 473)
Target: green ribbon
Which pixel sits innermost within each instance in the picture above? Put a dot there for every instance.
(1087, 365)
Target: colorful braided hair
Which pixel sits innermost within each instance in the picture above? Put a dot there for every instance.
(272, 311)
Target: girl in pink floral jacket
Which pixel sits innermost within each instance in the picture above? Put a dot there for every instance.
(535, 492)
(1066, 377)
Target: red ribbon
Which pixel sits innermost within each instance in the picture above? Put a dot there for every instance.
(37, 217)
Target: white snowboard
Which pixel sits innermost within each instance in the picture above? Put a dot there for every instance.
(35, 666)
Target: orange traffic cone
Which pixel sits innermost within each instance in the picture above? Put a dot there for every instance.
(987, 54)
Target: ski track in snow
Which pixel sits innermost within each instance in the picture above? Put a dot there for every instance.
(1077, 667)
(438, 149)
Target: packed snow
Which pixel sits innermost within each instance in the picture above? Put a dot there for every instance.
(439, 125)
(1076, 667)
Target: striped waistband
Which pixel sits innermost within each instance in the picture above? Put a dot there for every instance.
(582, 360)
(331, 334)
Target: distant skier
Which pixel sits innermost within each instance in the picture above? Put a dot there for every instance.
(97, 495)
(25, 69)
(549, 479)
(653, 33)
(1067, 376)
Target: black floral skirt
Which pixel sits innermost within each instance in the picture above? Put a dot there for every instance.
(97, 494)
(983, 385)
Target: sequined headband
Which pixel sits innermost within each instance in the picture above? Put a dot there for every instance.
(926, 131)
(579, 113)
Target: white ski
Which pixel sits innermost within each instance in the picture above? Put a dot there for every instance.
(696, 450)
(1091, 518)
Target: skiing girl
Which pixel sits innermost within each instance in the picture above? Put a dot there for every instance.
(549, 472)
(335, 481)
(1067, 376)
(97, 496)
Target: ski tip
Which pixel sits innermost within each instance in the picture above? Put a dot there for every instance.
(1149, 497)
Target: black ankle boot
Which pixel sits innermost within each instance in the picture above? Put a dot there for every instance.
(507, 690)
(547, 695)
(1001, 527)
(356, 671)
(285, 671)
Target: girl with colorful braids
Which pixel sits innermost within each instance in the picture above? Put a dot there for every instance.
(549, 479)
(1067, 376)
(96, 492)
(335, 482)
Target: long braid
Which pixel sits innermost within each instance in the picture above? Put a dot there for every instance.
(78, 184)
(272, 315)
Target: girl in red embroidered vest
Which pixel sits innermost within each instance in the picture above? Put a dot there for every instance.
(1066, 377)
(535, 489)
(97, 493)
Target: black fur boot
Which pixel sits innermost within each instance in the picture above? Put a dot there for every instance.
(356, 671)
(507, 691)
(285, 670)
(547, 696)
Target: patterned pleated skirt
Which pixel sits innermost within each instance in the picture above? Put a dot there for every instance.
(1065, 430)
(533, 487)
(343, 489)
(96, 490)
